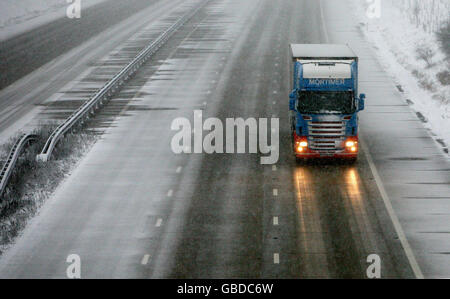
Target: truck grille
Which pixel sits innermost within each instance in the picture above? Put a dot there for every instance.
(326, 137)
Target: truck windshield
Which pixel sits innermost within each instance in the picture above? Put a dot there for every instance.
(326, 102)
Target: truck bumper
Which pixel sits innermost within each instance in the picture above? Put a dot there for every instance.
(350, 156)
(302, 150)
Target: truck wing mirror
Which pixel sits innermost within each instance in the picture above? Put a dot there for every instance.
(362, 102)
(292, 105)
(292, 100)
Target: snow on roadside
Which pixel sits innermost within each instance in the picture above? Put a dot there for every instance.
(396, 40)
(38, 182)
(18, 16)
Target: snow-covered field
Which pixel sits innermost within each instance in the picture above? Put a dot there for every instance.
(404, 36)
(429, 15)
(18, 16)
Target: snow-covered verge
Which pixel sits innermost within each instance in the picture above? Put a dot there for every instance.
(32, 182)
(404, 37)
(429, 15)
(17, 16)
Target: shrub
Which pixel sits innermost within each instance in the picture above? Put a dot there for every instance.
(426, 54)
(427, 84)
(444, 77)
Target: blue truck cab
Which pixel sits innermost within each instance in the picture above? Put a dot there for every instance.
(324, 102)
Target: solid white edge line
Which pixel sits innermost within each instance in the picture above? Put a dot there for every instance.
(275, 221)
(387, 202)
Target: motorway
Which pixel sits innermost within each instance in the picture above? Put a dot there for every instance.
(55, 38)
(134, 209)
(71, 49)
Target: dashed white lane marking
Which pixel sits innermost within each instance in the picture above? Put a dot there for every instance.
(275, 221)
(274, 102)
(158, 222)
(170, 193)
(275, 192)
(179, 168)
(145, 259)
(276, 258)
(274, 168)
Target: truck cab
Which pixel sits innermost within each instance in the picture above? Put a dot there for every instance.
(324, 102)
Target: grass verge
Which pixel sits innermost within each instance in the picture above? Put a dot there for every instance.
(33, 182)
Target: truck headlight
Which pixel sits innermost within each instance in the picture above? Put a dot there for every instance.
(350, 144)
(301, 146)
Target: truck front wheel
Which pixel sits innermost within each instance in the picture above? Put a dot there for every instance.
(300, 160)
(351, 161)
